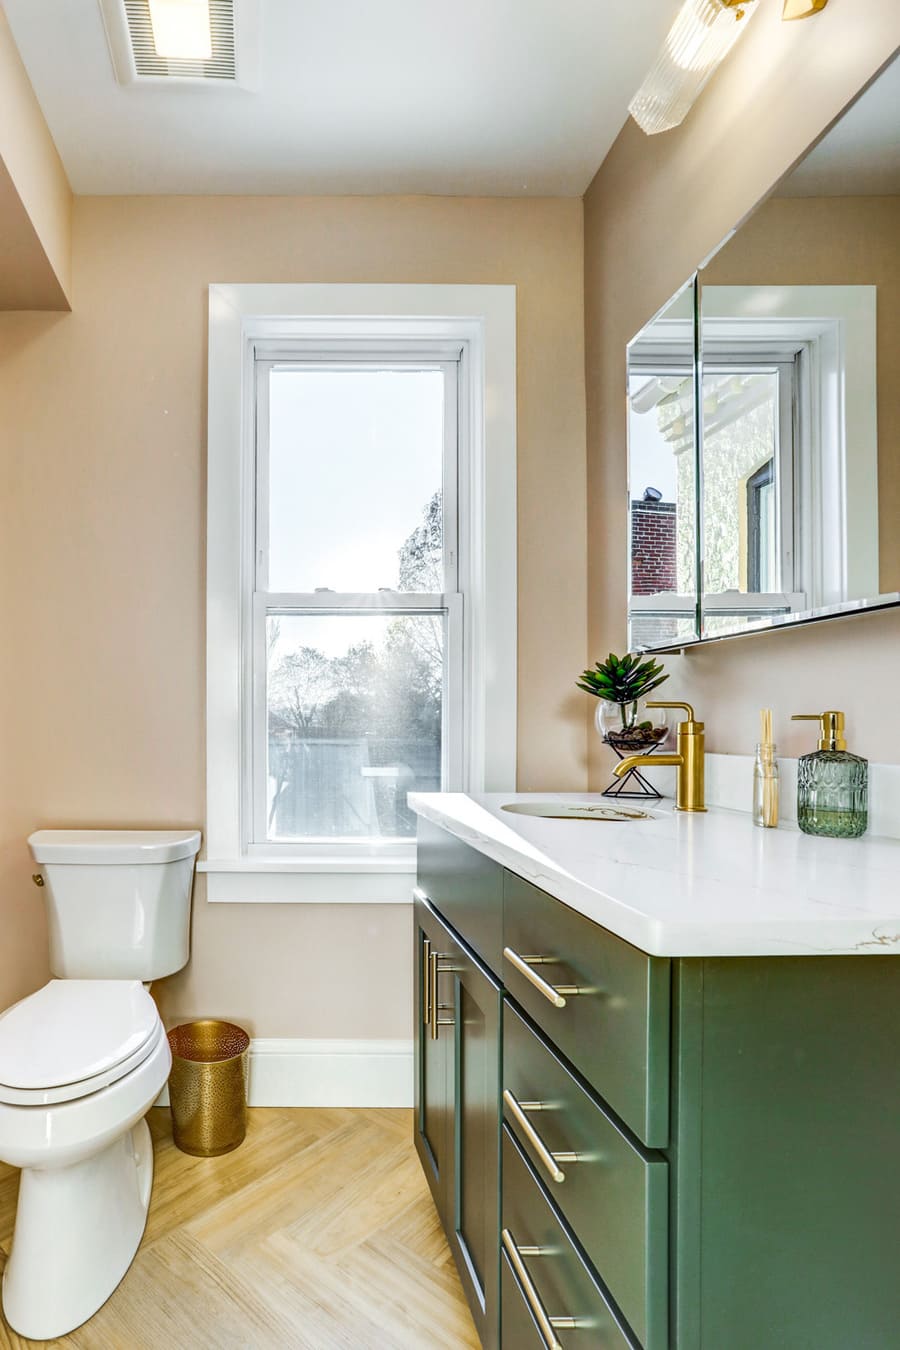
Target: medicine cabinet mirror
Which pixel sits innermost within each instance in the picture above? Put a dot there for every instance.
(779, 503)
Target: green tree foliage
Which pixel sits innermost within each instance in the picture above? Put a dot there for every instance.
(386, 692)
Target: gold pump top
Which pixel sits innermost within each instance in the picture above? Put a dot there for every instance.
(831, 728)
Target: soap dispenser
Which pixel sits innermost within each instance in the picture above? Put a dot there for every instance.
(832, 785)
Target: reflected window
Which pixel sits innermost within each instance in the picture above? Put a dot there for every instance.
(662, 480)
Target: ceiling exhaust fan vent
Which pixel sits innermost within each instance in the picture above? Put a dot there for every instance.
(233, 26)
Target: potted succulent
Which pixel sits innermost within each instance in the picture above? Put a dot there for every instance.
(622, 684)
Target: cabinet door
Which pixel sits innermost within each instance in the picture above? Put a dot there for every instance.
(475, 998)
(433, 1047)
(458, 1039)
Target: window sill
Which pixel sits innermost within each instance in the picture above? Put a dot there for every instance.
(309, 881)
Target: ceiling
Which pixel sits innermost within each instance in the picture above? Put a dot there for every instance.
(499, 97)
(860, 155)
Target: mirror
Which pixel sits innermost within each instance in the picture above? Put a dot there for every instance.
(662, 478)
(798, 378)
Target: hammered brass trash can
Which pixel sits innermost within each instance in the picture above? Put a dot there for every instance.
(208, 1086)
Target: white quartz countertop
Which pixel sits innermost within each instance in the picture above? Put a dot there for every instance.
(692, 885)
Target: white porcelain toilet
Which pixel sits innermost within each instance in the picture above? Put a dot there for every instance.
(81, 1063)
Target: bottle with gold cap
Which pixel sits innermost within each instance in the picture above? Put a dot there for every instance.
(832, 784)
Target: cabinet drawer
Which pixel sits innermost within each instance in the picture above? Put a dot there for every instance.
(611, 1015)
(614, 1197)
(556, 1282)
(465, 887)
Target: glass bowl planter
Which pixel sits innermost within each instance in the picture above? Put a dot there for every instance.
(631, 728)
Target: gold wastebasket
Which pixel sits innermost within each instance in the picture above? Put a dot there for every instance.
(208, 1086)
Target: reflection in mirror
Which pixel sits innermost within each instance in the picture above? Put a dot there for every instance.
(662, 482)
(800, 351)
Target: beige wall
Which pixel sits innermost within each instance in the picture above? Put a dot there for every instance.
(837, 241)
(102, 556)
(658, 207)
(35, 200)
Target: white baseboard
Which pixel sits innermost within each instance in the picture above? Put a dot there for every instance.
(285, 1071)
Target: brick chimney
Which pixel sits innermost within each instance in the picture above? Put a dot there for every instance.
(653, 561)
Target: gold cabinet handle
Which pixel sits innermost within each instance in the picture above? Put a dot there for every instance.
(546, 1325)
(435, 1021)
(555, 994)
(549, 1161)
(426, 980)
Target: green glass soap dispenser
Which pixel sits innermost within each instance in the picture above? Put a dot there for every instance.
(832, 784)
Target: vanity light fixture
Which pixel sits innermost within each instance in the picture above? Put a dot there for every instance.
(699, 40)
(802, 9)
(181, 29)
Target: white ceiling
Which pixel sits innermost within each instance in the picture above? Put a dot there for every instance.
(503, 97)
(860, 156)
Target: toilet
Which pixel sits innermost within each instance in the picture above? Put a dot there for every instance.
(81, 1063)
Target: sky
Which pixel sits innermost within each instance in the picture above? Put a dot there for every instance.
(354, 459)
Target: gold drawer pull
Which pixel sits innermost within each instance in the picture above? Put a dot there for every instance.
(549, 1161)
(434, 1007)
(546, 1325)
(555, 994)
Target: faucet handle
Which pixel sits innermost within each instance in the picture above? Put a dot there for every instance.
(691, 721)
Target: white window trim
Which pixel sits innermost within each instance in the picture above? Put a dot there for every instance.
(483, 319)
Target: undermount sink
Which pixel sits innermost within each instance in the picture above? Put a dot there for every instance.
(577, 811)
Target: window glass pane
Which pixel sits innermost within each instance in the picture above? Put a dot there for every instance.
(355, 478)
(741, 479)
(354, 706)
(662, 459)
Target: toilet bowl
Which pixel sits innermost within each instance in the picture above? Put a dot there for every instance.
(81, 1062)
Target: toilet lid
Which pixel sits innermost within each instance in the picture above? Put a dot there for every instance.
(69, 1092)
(72, 1030)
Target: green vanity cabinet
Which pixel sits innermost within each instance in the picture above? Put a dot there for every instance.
(698, 1153)
(458, 1044)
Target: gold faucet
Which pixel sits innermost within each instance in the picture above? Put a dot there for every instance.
(689, 760)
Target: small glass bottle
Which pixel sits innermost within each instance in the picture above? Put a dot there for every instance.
(832, 784)
(765, 787)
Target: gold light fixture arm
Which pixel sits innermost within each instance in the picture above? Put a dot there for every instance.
(802, 9)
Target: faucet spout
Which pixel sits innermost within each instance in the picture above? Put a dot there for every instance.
(642, 761)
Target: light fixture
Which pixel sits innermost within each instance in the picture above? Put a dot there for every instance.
(181, 29)
(700, 38)
(802, 9)
(150, 42)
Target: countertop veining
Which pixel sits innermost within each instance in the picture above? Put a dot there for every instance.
(693, 885)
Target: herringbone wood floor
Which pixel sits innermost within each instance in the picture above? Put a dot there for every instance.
(318, 1233)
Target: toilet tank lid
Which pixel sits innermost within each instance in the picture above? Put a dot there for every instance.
(113, 846)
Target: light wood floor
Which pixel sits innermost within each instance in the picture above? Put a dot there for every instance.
(318, 1233)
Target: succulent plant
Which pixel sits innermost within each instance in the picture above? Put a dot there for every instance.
(625, 680)
(622, 679)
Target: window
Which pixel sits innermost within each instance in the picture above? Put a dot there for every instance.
(361, 610)
(356, 644)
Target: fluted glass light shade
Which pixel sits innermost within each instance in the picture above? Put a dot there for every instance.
(699, 39)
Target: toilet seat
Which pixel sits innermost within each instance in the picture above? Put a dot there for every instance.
(73, 1037)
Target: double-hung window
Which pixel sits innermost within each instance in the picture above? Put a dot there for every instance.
(356, 617)
(361, 568)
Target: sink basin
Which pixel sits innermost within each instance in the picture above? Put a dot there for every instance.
(577, 811)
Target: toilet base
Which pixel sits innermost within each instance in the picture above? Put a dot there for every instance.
(77, 1231)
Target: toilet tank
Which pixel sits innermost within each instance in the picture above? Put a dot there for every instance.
(118, 901)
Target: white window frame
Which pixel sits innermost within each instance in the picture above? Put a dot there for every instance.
(833, 328)
(477, 323)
